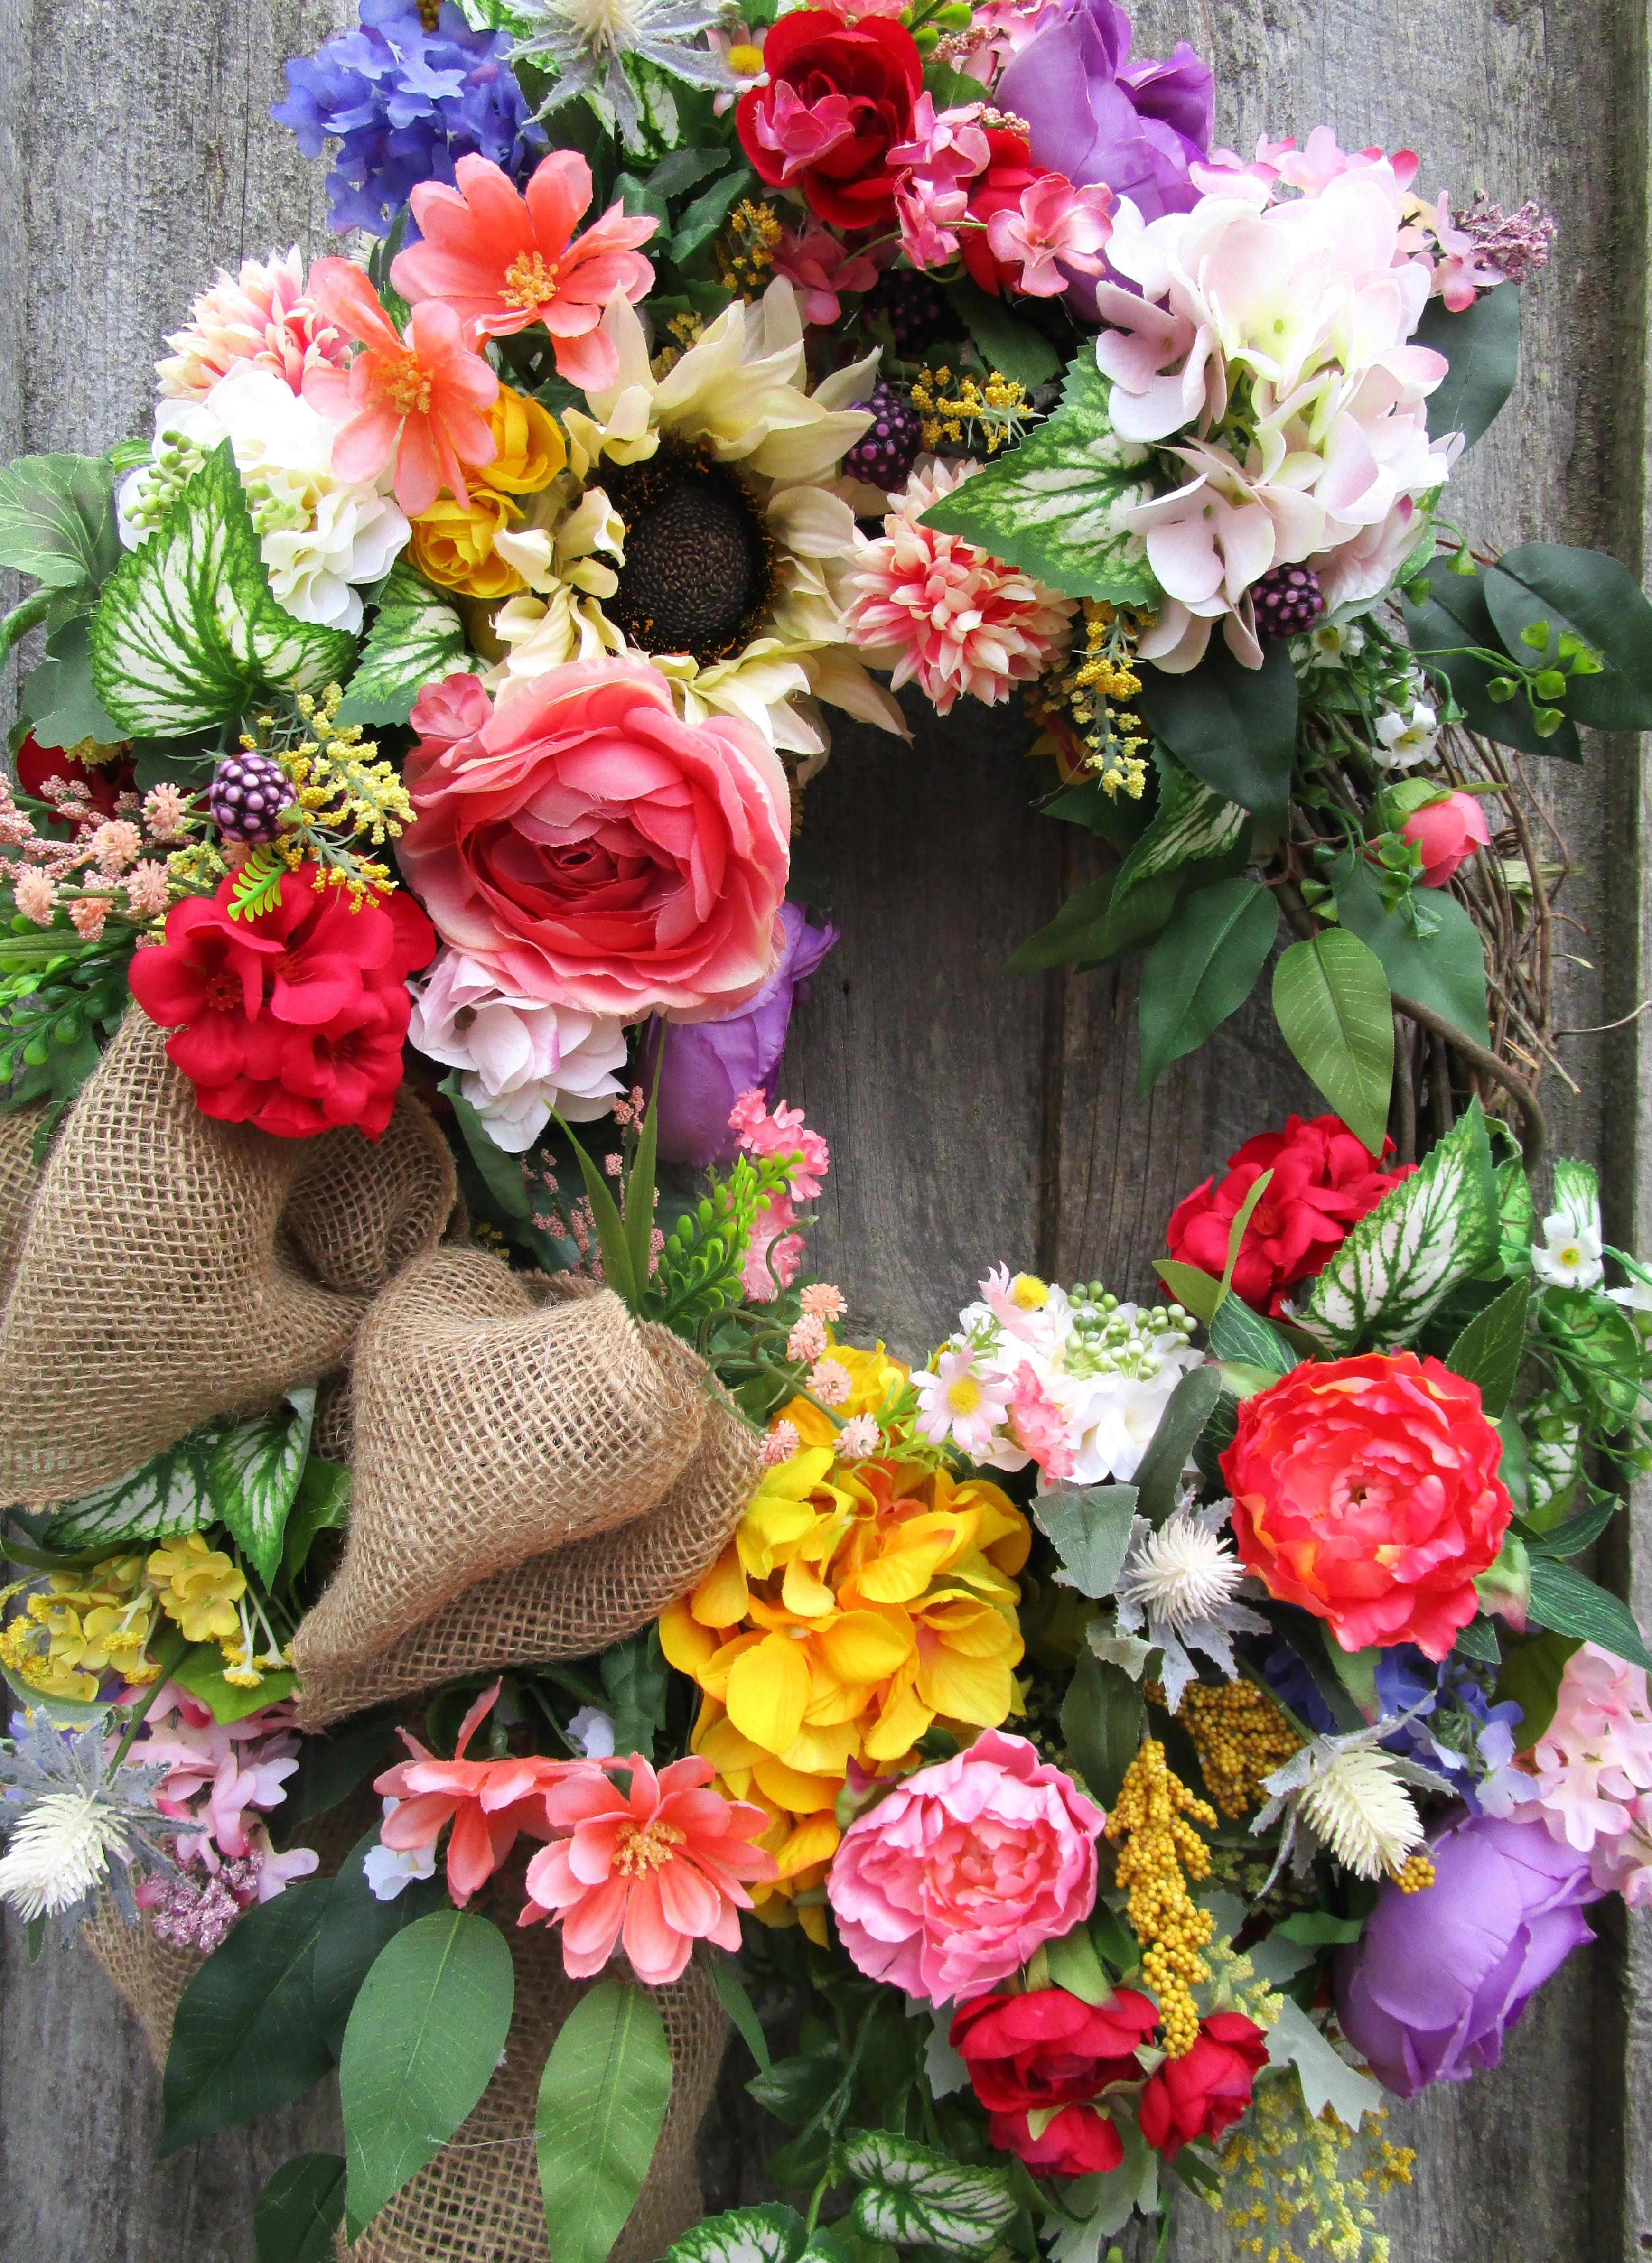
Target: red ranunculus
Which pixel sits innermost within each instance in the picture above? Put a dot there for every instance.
(1009, 170)
(103, 782)
(1027, 2053)
(1366, 1491)
(1324, 1180)
(1201, 2093)
(293, 1020)
(838, 99)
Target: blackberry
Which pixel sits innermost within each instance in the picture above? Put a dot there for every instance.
(886, 452)
(1287, 599)
(249, 792)
(917, 310)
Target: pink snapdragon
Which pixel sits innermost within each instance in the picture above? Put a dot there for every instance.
(930, 213)
(1055, 223)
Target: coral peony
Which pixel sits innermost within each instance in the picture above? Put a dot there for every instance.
(1448, 833)
(489, 1802)
(1201, 2093)
(1366, 1491)
(293, 1020)
(503, 261)
(663, 1867)
(936, 610)
(1045, 2051)
(949, 1884)
(834, 102)
(1324, 1181)
(584, 845)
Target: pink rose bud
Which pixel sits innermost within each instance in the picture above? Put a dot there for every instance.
(1448, 833)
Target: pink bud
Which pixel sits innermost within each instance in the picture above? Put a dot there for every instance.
(1448, 833)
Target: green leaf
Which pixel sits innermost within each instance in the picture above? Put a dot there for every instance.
(636, 1682)
(1598, 600)
(602, 2105)
(1103, 1719)
(794, 2090)
(772, 2233)
(1445, 970)
(1577, 1196)
(1479, 1640)
(1186, 1411)
(1515, 1214)
(169, 1495)
(611, 1234)
(416, 638)
(702, 218)
(1090, 1528)
(356, 1927)
(246, 2039)
(1015, 349)
(1573, 1534)
(322, 1504)
(1054, 505)
(1326, 2077)
(1435, 1229)
(1202, 969)
(1233, 726)
(1490, 1349)
(731, 1994)
(295, 2216)
(1319, 1929)
(640, 1179)
(201, 1672)
(423, 2036)
(57, 520)
(1074, 1966)
(1197, 1292)
(1482, 344)
(1194, 822)
(684, 168)
(253, 1473)
(501, 1172)
(331, 1762)
(186, 632)
(1331, 999)
(1533, 1665)
(1237, 1334)
(59, 704)
(1455, 614)
(1566, 1602)
(911, 2195)
(1091, 929)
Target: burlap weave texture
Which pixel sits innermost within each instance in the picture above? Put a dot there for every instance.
(18, 1175)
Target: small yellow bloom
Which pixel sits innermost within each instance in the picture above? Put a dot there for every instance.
(452, 545)
(199, 1587)
(1028, 1293)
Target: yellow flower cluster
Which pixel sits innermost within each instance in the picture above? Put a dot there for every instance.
(989, 414)
(1415, 1874)
(80, 1624)
(745, 250)
(1293, 2169)
(1113, 737)
(1241, 1736)
(1154, 1815)
(858, 1604)
(452, 541)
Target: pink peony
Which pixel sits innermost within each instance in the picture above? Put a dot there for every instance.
(583, 845)
(263, 315)
(1448, 833)
(935, 609)
(1038, 1424)
(949, 1884)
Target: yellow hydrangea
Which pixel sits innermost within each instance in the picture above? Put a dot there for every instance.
(200, 1587)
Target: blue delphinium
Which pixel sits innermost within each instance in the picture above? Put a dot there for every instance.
(404, 104)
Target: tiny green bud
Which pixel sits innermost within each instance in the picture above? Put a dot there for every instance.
(1502, 688)
(1547, 720)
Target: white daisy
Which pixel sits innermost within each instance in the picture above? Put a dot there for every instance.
(1571, 1254)
(956, 1401)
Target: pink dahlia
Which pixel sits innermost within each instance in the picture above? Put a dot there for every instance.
(263, 315)
(938, 612)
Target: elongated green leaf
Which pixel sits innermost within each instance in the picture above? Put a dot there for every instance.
(1435, 1229)
(1490, 1350)
(201, 1672)
(501, 1173)
(1055, 505)
(1186, 1411)
(246, 2039)
(1194, 822)
(1202, 969)
(322, 1504)
(640, 1183)
(1594, 597)
(295, 2216)
(424, 2035)
(416, 638)
(913, 2197)
(701, 219)
(1237, 1332)
(1331, 999)
(253, 1473)
(57, 520)
(1454, 615)
(610, 1233)
(1091, 929)
(772, 2233)
(331, 1762)
(1446, 969)
(1074, 1966)
(1573, 1534)
(1233, 726)
(636, 1688)
(1482, 344)
(602, 2105)
(355, 1928)
(731, 1994)
(1565, 1601)
(1103, 1720)
(1197, 1292)
(1091, 1527)
(186, 631)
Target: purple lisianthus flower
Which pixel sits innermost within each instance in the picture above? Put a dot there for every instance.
(1437, 1976)
(708, 1065)
(405, 104)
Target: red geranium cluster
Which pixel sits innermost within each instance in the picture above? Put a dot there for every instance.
(293, 1020)
(1324, 1180)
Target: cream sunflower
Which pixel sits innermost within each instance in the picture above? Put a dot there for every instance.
(697, 522)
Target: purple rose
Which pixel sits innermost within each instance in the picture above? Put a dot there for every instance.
(709, 1064)
(1437, 1976)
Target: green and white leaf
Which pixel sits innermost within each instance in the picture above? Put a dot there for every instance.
(1055, 505)
(416, 639)
(1326, 2077)
(1436, 1228)
(57, 520)
(254, 1474)
(187, 633)
(1554, 1456)
(772, 2233)
(915, 2197)
(1577, 1196)
(169, 1495)
(1515, 1213)
(1194, 822)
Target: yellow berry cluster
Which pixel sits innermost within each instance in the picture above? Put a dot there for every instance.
(745, 250)
(1154, 1815)
(1416, 1874)
(1283, 2168)
(988, 416)
(1241, 1736)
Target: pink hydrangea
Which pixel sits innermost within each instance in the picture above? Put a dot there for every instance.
(263, 316)
(949, 1884)
(939, 613)
(1589, 1776)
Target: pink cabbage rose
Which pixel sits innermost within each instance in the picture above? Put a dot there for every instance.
(949, 1884)
(584, 845)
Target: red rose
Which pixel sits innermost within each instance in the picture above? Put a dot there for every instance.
(293, 1020)
(1200, 2094)
(1009, 170)
(839, 99)
(103, 781)
(1027, 2053)
(1324, 1180)
(1366, 1491)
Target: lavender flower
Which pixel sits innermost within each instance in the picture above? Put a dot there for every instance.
(404, 104)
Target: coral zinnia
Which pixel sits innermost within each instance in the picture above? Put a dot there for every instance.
(938, 611)
(502, 261)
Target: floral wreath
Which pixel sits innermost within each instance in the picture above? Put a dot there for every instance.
(533, 1635)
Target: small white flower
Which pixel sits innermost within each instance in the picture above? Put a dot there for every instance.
(955, 1402)
(389, 1869)
(60, 1853)
(1183, 1579)
(1348, 1795)
(1636, 1298)
(1406, 739)
(1331, 643)
(1570, 1257)
(590, 1733)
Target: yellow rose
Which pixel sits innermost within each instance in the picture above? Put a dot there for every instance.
(529, 445)
(452, 545)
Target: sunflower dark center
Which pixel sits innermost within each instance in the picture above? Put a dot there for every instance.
(699, 574)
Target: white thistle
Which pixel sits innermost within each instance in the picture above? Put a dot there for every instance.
(76, 1827)
(1348, 1795)
(584, 41)
(1182, 1578)
(60, 1853)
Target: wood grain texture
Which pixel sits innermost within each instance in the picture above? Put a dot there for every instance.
(973, 1117)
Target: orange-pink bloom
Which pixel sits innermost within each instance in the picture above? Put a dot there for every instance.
(661, 1868)
(502, 261)
(488, 1802)
(422, 396)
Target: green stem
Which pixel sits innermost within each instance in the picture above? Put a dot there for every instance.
(171, 1648)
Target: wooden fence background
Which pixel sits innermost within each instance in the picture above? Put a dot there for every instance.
(972, 1117)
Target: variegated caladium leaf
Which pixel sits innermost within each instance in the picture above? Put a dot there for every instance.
(1194, 822)
(253, 1473)
(169, 1495)
(243, 1474)
(772, 2233)
(416, 638)
(1515, 1210)
(916, 2197)
(1577, 1197)
(1398, 1264)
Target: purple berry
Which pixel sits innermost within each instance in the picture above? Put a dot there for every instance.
(887, 450)
(1287, 599)
(915, 309)
(249, 792)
